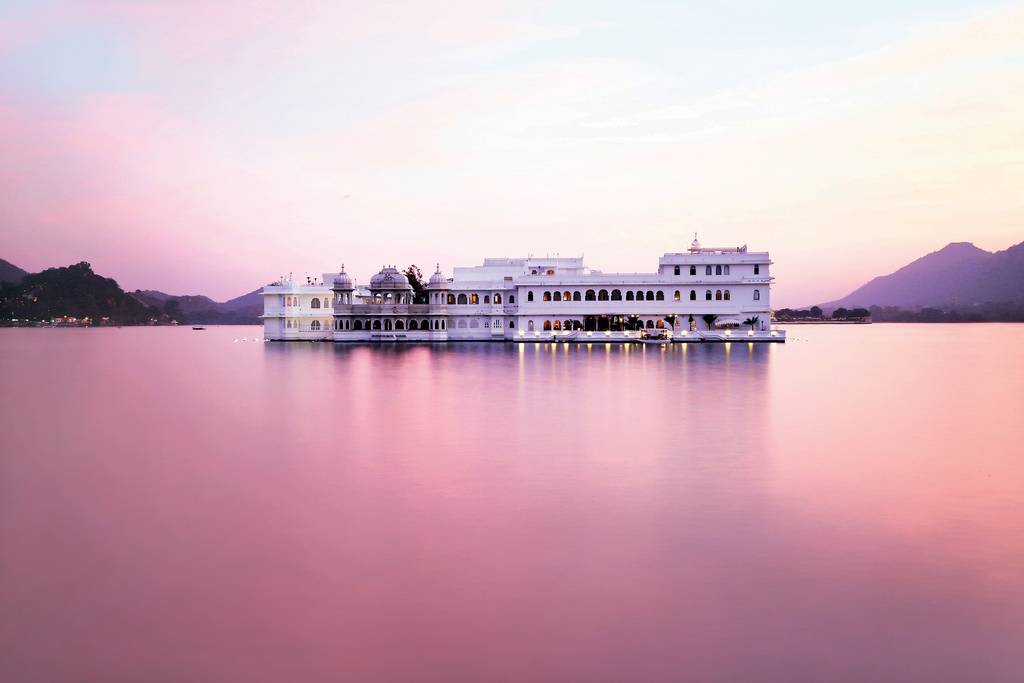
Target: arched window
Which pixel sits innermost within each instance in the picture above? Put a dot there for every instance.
(693, 295)
(602, 295)
(463, 299)
(707, 270)
(757, 295)
(444, 324)
(575, 296)
(677, 296)
(616, 295)
(529, 296)
(511, 324)
(474, 323)
(413, 325)
(315, 303)
(566, 296)
(677, 270)
(399, 325)
(424, 325)
(757, 269)
(650, 324)
(487, 298)
(474, 298)
(659, 295)
(567, 325)
(693, 270)
(512, 298)
(387, 324)
(547, 296)
(727, 270)
(315, 325)
(497, 298)
(557, 325)
(376, 324)
(529, 325)
(629, 295)
(462, 323)
(660, 324)
(558, 296)
(727, 296)
(357, 325)
(591, 295)
(718, 295)
(707, 295)
(451, 298)
(547, 325)
(649, 296)
(718, 270)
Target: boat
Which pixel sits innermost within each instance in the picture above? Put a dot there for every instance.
(655, 337)
(198, 328)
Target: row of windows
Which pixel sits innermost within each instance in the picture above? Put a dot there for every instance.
(718, 270)
(616, 295)
(474, 299)
(378, 324)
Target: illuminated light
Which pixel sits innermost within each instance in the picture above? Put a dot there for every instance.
(522, 332)
(750, 333)
(728, 333)
(607, 333)
(590, 334)
(774, 333)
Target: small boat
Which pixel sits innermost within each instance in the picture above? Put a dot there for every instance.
(198, 328)
(657, 337)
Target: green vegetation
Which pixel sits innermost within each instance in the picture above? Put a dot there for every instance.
(709, 320)
(419, 290)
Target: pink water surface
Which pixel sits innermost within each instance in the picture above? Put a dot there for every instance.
(181, 506)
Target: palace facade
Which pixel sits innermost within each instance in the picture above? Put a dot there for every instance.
(702, 294)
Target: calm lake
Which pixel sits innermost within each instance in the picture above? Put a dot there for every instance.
(182, 506)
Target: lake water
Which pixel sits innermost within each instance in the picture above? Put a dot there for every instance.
(181, 506)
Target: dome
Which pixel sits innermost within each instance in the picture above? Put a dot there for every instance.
(438, 280)
(342, 280)
(390, 278)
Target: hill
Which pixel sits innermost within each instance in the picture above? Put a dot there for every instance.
(960, 276)
(10, 272)
(74, 291)
(194, 308)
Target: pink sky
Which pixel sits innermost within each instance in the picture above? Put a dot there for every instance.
(209, 147)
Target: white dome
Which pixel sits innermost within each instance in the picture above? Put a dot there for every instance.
(390, 278)
(438, 280)
(342, 280)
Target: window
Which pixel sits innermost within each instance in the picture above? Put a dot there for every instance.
(693, 270)
(399, 325)
(629, 295)
(650, 324)
(512, 298)
(529, 325)
(616, 295)
(511, 324)
(727, 270)
(529, 296)
(602, 295)
(727, 295)
(566, 296)
(474, 298)
(557, 325)
(677, 296)
(757, 269)
(558, 296)
(591, 295)
(547, 296)
(707, 270)
(576, 296)
(718, 270)
(660, 295)
(413, 325)
(718, 295)
(707, 295)
(376, 324)
(547, 325)
(387, 324)
(649, 296)
(451, 298)
(497, 298)
(693, 295)
(315, 303)
(462, 299)
(487, 299)
(757, 295)
(474, 323)
(444, 324)
(462, 324)
(551, 272)
(677, 270)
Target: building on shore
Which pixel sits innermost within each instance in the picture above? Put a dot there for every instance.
(702, 294)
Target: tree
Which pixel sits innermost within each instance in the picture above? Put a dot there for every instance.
(840, 314)
(752, 322)
(671, 320)
(709, 319)
(633, 322)
(860, 313)
(815, 312)
(419, 290)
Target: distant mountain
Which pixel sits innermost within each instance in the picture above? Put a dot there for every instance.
(10, 272)
(194, 308)
(957, 277)
(72, 291)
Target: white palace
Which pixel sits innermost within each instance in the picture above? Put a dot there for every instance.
(702, 294)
